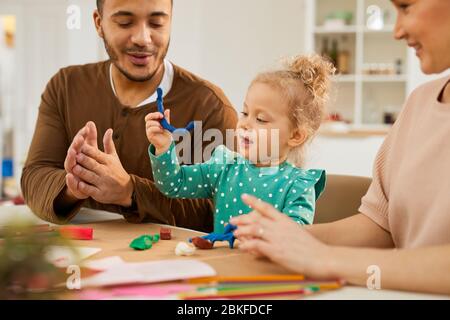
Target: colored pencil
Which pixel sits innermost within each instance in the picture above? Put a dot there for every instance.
(234, 291)
(244, 295)
(251, 279)
(262, 286)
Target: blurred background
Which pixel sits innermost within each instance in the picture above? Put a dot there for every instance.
(226, 42)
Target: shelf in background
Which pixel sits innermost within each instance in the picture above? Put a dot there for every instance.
(352, 29)
(345, 78)
(385, 29)
(372, 57)
(327, 30)
(370, 78)
(384, 78)
(339, 129)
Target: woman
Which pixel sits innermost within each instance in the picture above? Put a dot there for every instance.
(404, 223)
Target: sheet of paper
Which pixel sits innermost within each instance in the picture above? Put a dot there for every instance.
(155, 291)
(65, 256)
(149, 272)
(86, 215)
(14, 214)
(104, 264)
(11, 214)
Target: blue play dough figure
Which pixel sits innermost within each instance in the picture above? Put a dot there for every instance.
(163, 121)
(227, 235)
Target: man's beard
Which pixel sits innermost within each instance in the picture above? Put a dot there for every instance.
(114, 59)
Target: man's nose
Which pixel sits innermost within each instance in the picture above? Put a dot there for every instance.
(142, 36)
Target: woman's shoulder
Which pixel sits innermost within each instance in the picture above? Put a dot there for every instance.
(418, 103)
(430, 89)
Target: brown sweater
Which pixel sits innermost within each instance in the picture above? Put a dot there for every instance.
(78, 94)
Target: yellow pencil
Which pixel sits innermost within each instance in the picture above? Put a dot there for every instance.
(264, 278)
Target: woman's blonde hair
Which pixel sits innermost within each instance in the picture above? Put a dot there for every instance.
(305, 82)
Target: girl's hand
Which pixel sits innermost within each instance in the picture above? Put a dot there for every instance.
(267, 232)
(156, 134)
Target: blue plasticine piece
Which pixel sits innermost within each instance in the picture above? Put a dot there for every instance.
(226, 236)
(164, 123)
(229, 228)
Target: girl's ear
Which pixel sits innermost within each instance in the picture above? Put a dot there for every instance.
(298, 137)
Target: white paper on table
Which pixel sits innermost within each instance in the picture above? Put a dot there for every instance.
(13, 214)
(147, 272)
(104, 264)
(63, 257)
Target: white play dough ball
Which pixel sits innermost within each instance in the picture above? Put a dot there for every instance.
(184, 249)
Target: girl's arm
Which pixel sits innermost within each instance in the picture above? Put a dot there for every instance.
(175, 181)
(302, 194)
(300, 206)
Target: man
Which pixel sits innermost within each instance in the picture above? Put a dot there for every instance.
(66, 169)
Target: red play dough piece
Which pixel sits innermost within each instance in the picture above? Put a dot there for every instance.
(165, 234)
(202, 243)
(76, 233)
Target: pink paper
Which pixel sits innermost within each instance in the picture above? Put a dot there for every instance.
(152, 291)
(94, 295)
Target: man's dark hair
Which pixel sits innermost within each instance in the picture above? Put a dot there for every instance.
(101, 2)
(100, 5)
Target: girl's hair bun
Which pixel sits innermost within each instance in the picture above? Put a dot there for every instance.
(314, 71)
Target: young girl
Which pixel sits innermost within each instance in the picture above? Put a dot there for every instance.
(289, 102)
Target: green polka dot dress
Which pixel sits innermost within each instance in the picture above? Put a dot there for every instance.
(227, 175)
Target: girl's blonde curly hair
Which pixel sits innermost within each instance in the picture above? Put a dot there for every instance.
(305, 83)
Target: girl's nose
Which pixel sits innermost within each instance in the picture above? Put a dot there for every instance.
(243, 123)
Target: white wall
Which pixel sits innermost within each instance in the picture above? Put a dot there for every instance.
(229, 42)
(43, 45)
(344, 155)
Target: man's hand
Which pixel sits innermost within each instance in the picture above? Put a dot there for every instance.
(156, 134)
(88, 135)
(101, 174)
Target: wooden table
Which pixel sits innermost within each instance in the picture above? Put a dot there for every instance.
(113, 235)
